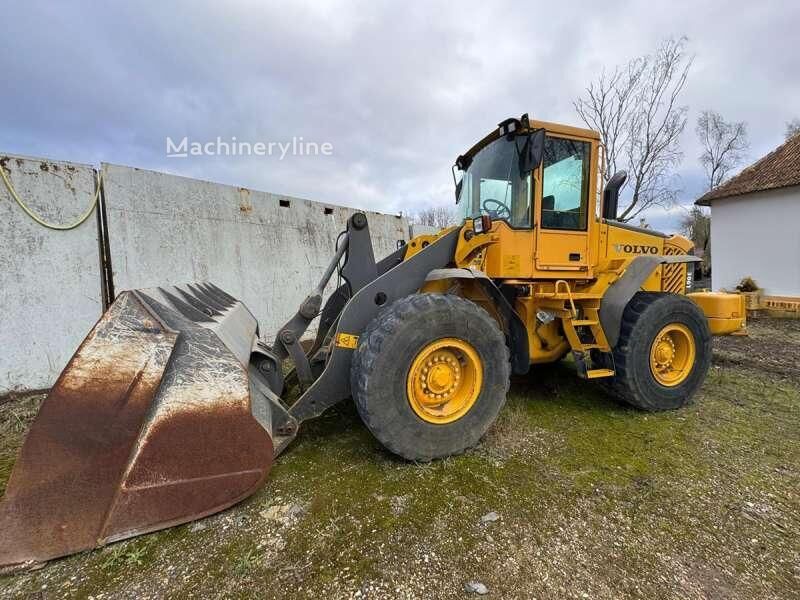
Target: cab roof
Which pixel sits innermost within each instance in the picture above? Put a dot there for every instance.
(556, 128)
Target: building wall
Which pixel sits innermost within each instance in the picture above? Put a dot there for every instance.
(267, 250)
(757, 235)
(49, 280)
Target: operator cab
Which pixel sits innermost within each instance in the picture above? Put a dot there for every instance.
(495, 177)
(538, 179)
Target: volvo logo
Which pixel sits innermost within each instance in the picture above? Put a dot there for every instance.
(635, 249)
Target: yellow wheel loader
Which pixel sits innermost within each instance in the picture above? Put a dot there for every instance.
(174, 407)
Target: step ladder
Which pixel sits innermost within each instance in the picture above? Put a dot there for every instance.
(584, 372)
(581, 348)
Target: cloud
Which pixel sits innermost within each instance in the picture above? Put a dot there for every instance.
(398, 89)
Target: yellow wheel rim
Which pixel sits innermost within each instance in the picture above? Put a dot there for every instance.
(672, 355)
(444, 380)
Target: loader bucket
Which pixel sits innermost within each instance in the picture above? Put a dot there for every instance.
(149, 425)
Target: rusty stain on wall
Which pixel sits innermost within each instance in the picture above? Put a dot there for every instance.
(244, 203)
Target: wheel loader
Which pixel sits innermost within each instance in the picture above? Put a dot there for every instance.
(174, 406)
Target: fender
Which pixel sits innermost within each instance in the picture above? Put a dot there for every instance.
(514, 327)
(616, 298)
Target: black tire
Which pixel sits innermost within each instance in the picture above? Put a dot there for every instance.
(644, 317)
(385, 353)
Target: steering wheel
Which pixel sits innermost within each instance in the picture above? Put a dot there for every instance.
(501, 212)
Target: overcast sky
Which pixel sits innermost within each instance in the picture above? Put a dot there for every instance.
(398, 89)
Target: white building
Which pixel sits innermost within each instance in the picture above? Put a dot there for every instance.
(755, 224)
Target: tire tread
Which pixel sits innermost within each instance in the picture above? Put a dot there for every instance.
(388, 323)
(623, 384)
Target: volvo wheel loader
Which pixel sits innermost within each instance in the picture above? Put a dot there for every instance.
(174, 407)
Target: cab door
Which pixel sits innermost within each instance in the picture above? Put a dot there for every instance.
(562, 205)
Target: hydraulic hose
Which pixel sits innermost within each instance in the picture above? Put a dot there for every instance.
(40, 220)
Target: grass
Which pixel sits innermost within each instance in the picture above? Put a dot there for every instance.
(15, 416)
(595, 500)
(121, 556)
(245, 562)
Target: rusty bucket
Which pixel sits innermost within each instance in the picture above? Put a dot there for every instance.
(150, 425)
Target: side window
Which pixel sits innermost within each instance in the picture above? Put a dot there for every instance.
(509, 200)
(565, 183)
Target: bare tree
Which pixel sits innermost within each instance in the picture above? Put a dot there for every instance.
(696, 225)
(635, 108)
(792, 127)
(724, 146)
(435, 216)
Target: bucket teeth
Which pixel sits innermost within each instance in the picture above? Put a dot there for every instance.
(217, 294)
(187, 309)
(197, 303)
(205, 298)
(220, 293)
(150, 425)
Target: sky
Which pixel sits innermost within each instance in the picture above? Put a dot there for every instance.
(398, 89)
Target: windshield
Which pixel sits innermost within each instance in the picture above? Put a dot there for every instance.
(492, 185)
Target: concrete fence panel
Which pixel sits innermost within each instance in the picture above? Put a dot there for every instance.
(50, 283)
(264, 249)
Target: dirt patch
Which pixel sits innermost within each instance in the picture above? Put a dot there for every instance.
(772, 345)
(512, 436)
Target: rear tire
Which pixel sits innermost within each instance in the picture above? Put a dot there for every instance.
(430, 329)
(663, 352)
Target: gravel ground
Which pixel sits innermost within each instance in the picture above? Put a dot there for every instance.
(570, 495)
(773, 346)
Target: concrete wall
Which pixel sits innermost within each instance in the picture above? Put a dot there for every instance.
(415, 229)
(49, 280)
(267, 250)
(165, 229)
(756, 235)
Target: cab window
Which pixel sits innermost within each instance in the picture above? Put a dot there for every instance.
(565, 183)
(493, 185)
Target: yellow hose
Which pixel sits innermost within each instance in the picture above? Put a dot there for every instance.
(41, 221)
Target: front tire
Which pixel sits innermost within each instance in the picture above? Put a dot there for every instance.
(663, 353)
(430, 375)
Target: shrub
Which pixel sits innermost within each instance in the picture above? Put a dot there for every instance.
(748, 284)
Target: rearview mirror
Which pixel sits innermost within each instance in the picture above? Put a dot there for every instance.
(458, 179)
(531, 153)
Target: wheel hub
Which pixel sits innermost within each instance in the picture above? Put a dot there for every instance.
(665, 351)
(672, 355)
(444, 380)
(440, 376)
